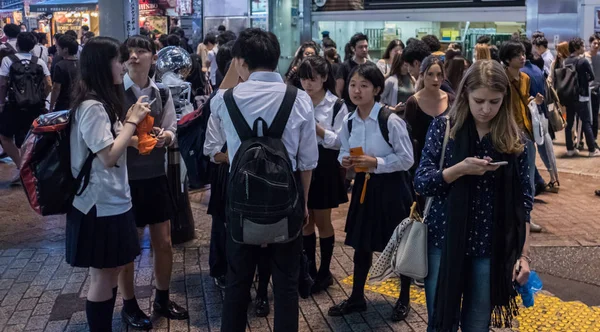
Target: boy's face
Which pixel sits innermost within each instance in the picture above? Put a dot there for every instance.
(140, 60)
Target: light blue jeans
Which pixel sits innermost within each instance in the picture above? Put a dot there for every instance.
(476, 310)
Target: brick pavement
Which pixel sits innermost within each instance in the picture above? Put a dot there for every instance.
(40, 292)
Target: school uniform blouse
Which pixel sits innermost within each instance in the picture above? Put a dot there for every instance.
(324, 117)
(429, 181)
(366, 134)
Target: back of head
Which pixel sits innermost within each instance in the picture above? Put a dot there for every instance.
(455, 69)
(451, 54)
(562, 50)
(42, 38)
(495, 53)
(71, 33)
(173, 40)
(85, 28)
(144, 32)
(348, 52)
(224, 56)
(540, 41)
(511, 49)
(163, 40)
(485, 39)
(482, 52)
(89, 35)
(12, 30)
(488, 74)
(210, 39)
(329, 43)
(26, 41)
(69, 43)
(575, 44)
(433, 42)
(226, 37)
(259, 49)
(528, 48)
(358, 37)
(417, 50)
(178, 31)
(221, 28)
(538, 34)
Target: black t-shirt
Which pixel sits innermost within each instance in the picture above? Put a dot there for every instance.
(585, 74)
(65, 73)
(344, 73)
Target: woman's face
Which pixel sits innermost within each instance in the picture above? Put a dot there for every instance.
(361, 90)
(309, 51)
(433, 77)
(314, 85)
(395, 51)
(404, 69)
(485, 104)
(118, 71)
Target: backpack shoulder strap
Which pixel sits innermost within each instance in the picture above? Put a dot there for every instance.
(239, 122)
(34, 59)
(382, 118)
(350, 122)
(283, 114)
(14, 58)
(84, 174)
(163, 91)
(10, 47)
(336, 109)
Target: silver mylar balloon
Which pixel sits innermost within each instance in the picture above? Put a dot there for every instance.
(174, 59)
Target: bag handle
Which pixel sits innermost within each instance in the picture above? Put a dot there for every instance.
(429, 200)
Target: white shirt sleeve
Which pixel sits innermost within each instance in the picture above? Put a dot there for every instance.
(5, 67)
(308, 150)
(344, 137)
(42, 63)
(169, 121)
(331, 139)
(215, 137)
(401, 159)
(95, 126)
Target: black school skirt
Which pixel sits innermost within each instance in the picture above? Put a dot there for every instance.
(101, 242)
(151, 200)
(370, 225)
(327, 189)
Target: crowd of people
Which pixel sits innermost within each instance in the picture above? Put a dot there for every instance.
(286, 151)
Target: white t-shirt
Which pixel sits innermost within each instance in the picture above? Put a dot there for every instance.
(41, 52)
(108, 188)
(212, 57)
(12, 42)
(7, 62)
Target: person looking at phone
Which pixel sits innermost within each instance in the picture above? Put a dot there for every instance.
(399, 86)
(479, 219)
(382, 191)
(100, 229)
(149, 185)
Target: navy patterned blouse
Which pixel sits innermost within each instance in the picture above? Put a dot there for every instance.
(430, 182)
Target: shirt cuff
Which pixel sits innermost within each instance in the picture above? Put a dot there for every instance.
(380, 166)
(329, 140)
(438, 179)
(309, 167)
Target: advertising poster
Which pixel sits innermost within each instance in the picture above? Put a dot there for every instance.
(597, 19)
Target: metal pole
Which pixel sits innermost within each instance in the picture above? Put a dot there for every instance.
(306, 34)
(118, 19)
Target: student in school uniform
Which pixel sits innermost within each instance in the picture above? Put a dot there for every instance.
(100, 231)
(382, 193)
(327, 189)
(149, 185)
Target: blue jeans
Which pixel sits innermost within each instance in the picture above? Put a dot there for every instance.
(476, 310)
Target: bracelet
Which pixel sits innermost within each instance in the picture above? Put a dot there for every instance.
(527, 258)
(133, 123)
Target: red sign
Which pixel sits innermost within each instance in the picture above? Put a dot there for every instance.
(151, 8)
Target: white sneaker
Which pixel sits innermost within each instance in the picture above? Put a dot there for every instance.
(572, 153)
(596, 153)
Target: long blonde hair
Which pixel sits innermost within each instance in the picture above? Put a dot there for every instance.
(482, 52)
(504, 130)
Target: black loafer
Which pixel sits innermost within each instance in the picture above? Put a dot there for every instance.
(171, 311)
(220, 282)
(261, 306)
(137, 319)
(322, 283)
(347, 307)
(400, 312)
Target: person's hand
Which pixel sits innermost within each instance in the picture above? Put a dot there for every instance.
(476, 166)
(521, 272)
(161, 137)
(346, 162)
(364, 161)
(400, 107)
(133, 142)
(539, 99)
(138, 111)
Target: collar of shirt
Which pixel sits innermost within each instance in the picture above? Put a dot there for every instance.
(128, 83)
(265, 76)
(373, 115)
(329, 100)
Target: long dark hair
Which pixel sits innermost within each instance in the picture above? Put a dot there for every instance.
(393, 44)
(196, 76)
(317, 65)
(455, 70)
(300, 55)
(396, 70)
(96, 80)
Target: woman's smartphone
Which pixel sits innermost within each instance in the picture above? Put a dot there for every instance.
(498, 163)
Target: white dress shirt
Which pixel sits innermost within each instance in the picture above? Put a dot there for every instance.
(212, 57)
(366, 134)
(261, 96)
(548, 59)
(215, 131)
(324, 117)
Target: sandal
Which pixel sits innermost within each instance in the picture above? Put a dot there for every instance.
(553, 187)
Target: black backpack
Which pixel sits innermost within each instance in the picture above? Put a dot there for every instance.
(382, 119)
(26, 84)
(566, 83)
(265, 203)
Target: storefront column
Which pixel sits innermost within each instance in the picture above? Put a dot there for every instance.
(118, 19)
(307, 21)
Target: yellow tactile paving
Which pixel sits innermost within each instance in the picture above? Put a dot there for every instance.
(548, 314)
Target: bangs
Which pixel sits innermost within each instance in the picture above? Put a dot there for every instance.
(306, 71)
(142, 42)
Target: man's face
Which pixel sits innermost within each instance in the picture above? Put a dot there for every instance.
(414, 68)
(595, 45)
(140, 60)
(361, 50)
(517, 62)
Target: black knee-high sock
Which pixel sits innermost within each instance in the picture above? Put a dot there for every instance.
(264, 274)
(326, 253)
(362, 264)
(114, 298)
(310, 248)
(99, 315)
(405, 290)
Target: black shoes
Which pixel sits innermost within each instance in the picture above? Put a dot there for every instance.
(137, 319)
(261, 305)
(171, 311)
(220, 282)
(400, 312)
(322, 283)
(347, 307)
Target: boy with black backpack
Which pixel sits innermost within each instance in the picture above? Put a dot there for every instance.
(270, 133)
(25, 80)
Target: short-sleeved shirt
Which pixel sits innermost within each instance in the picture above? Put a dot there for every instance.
(343, 74)
(212, 57)
(65, 74)
(108, 189)
(12, 42)
(7, 62)
(41, 52)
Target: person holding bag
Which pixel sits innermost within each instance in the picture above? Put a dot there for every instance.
(479, 219)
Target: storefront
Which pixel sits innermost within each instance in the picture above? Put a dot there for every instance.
(63, 15)
(10, 16)
(153, 16)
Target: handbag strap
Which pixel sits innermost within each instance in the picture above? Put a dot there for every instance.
(429, 200)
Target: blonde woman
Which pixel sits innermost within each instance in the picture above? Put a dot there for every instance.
(482, 52)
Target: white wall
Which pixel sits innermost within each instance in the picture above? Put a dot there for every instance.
(586, 13)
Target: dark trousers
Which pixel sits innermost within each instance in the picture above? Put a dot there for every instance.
(581, 110)
(595, 106)
(285, 266)
(217, 260)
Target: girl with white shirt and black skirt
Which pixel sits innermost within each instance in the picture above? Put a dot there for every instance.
(376, 143)
(327, 189)
(101, 234)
